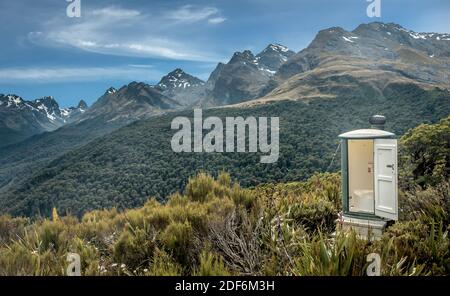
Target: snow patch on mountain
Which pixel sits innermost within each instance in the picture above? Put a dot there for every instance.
(179, 79)
(46, 106)
(347, 39)
(111, 90)
(417, 35)
(11, 101)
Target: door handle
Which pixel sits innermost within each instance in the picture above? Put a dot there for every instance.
(390, 166)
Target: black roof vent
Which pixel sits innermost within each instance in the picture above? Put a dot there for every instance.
(377, 121)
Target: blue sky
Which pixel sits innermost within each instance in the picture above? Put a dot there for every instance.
(44, 52)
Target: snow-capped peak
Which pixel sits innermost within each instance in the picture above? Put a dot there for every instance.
(46, 106)
(270, 59)
(392, 28)
(179, 79)
(68, 112)
(49, 107)
(11, 100)
(277, 47)
(424, 36)
(110, 90)
(82, 106)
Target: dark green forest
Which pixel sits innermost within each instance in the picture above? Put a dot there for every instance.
(128, 166)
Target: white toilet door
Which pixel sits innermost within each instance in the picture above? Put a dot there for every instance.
(385, 168)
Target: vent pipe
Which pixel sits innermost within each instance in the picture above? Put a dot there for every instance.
(377, 122)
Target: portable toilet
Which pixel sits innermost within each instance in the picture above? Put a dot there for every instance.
(369, 178)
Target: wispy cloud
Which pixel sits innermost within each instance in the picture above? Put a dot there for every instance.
(129, 32)
(115, 12)
(140, 66)
(60, 74)
(217, 20)
(190, 13)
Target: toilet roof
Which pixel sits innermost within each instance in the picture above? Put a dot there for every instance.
(366, 134)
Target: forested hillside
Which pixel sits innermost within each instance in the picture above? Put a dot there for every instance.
(216, 227)
(127, 167)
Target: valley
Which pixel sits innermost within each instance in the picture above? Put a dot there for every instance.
(117, 151)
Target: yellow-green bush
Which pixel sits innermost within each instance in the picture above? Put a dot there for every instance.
(218, 228)
(211, 265)
(11, 227)
(163, 265)
(421, 242)
(89, 256)
(432, 204)
(26, 256)
(135, 248)
(424, 155)
(314, 204)
(203, 187)
(326, 256)
(178, 240)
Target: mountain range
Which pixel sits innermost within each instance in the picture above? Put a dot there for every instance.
(20, 119)
(243, 78)
(376, 54)
(336, 61)
(376, 68)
